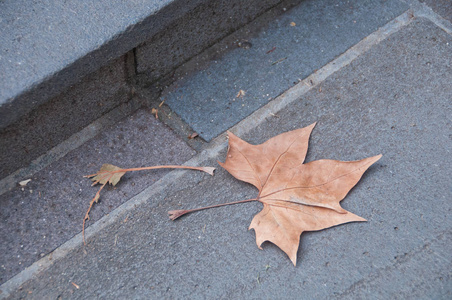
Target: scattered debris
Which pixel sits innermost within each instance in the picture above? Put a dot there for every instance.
(76, 286)
(278, 61)
(161, 103)
(193, 135)
(244, 44)
(155, 112)
(271, 50)
(292, 24)
(24, 182)
(240, 94)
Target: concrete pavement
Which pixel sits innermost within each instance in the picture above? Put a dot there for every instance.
(386, 92)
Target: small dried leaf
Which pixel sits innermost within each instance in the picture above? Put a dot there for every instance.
(292, 24)
(96, 198)
(24, 182)
(105, 175)
(208, 170)
(193, 135)
(240, 94)
(155, 112)
(112, 174)
(174, 214)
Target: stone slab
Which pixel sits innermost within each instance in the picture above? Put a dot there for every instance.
(59, 118)
(49, 210)
(191, 34)
(280, 55)
(394, 100)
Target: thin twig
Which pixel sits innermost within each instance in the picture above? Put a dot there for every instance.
(278, 61)
(109, 175)
(91, 203)
(174, 214)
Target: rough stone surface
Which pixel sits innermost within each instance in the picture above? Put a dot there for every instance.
(280, 55)
(62, 116)
(394, 100)
(49, 210)
(49, 45)
(191, 34)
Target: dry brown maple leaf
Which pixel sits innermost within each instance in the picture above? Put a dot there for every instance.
(297, 197)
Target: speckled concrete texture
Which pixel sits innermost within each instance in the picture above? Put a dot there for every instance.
(49, 210)
(395, 100)
(285, 50)
(64, 115)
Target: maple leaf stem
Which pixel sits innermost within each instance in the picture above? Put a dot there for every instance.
(208, 170)
(108, 175)
(174, 214)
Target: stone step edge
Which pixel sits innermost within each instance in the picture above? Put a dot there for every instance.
(67, 93)
(24, 88)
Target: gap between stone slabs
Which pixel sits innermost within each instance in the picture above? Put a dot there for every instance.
(205, 92)
(217, 145)
(423, 10)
